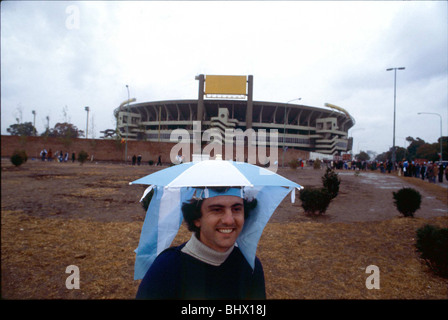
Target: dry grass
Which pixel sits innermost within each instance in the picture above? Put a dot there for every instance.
(36, 253)
(300, 260)
(328, 261)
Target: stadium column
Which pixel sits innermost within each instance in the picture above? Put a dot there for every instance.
(249, 109)
(200, 111)
(199, 116)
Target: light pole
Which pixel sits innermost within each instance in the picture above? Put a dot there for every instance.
(34, 122)
(395, 96)
(87, 124)
(351, 132)
(127, 130)
(441, 154)
(284, 131)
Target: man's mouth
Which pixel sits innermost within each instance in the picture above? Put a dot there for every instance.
(225, 230)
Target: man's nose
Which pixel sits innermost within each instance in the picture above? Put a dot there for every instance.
(228, 218)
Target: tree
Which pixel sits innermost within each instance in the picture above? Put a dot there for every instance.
(362, 156)
(21, 129)
(66, 130)
(417, 149)
(444, 147)
(413, 146)
(428, 152)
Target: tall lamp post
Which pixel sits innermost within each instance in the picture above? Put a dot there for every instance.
(87, 124)
(441, 154)
(127, 130)
(395, 99)
(284, 131)
(34, 122)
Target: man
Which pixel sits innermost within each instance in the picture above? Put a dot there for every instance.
(209, 265)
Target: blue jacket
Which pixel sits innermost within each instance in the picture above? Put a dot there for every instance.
(177, 275)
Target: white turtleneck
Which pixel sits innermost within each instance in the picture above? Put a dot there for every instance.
(200, 251)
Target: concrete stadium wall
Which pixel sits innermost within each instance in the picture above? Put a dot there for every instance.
(111, 150)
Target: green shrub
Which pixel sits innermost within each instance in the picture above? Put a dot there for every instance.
(82, 156)
(331, 182)
(315, 200)
(407, 201)
(316, 164)
(432, 243)
(19, 157)
(293, 164)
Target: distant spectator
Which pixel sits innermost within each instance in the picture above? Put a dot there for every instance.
(441, 172)
(43, 154)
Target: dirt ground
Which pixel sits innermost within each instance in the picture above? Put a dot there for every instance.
(55, 215)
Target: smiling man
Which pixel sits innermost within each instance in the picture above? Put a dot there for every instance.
(210, 265)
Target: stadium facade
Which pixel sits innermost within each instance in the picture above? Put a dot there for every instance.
(313, 129)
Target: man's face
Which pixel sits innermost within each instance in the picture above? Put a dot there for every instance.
(221, 222)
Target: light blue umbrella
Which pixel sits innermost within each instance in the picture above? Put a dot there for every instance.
(176, 185)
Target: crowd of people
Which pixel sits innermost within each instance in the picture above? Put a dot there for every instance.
(432, 171)
(58, 156)
(426, 170)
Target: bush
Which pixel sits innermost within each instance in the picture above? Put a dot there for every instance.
(293, 164)
(19, 157)
(407, 201)
(432, 243)
(331, 182)
(315, 200)
(316, 164)
(82, 156)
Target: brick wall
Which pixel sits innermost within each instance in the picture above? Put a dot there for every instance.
(110, 150)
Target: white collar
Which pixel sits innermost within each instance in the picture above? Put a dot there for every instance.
(200, 251)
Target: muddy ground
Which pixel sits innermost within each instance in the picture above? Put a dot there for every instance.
(59, 214)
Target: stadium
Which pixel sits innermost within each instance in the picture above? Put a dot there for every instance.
(226, 102)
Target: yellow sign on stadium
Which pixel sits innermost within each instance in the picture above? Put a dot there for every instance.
(225, 85)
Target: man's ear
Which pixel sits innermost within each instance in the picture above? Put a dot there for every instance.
(197, 223)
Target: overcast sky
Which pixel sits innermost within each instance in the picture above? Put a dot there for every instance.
(67, 55)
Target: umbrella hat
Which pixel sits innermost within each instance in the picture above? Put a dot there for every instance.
(177, 184)
(210, 173)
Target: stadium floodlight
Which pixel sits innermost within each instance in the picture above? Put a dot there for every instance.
(87, 124)
(395, 99)
(127, 129)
